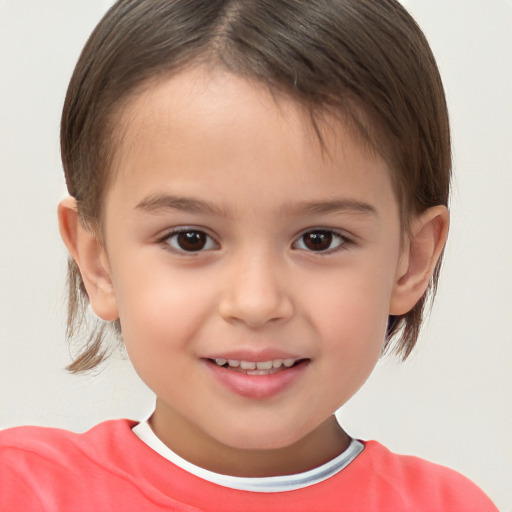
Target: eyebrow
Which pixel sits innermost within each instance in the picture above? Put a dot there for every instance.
(159, 203)
(332, 206)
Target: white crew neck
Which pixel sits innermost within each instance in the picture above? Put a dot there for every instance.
(260, 484)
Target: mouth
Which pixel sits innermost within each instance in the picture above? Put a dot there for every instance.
(269, 367)
(257, 380)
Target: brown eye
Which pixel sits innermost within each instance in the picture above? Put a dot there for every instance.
(320, 241)
(190, 241)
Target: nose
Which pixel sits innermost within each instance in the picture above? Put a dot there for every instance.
(256, 292)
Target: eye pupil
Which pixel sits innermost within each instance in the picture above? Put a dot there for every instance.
(318, 240)
(191, 240)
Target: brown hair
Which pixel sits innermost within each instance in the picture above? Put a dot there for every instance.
(365, 59)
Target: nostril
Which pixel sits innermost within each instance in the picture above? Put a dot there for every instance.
(255, 301)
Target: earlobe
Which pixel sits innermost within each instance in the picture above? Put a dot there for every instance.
(91, 258)
(420, 254)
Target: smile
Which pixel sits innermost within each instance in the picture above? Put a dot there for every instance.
(256, 367)
(257, 379)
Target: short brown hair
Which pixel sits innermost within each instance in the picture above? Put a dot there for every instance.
(365, 59)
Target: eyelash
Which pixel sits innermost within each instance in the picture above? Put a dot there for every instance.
(211, 244)
(334, 235)
(184, 231)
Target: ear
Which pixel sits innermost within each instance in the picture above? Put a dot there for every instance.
(90, 256)
(420, 253)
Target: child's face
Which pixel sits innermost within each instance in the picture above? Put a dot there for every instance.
(231, 235)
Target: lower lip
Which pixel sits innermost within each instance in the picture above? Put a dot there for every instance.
(257, 387)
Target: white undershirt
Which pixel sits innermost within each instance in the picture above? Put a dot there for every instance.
(265, 484)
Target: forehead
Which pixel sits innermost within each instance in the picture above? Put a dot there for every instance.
(212, 129)
(203, 101)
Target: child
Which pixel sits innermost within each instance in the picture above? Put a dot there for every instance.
(258, 198)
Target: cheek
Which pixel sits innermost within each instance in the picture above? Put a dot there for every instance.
(353, 340)
(350, 319)
(159, 308)
(354, 334)
(158, 322)
(351, 308)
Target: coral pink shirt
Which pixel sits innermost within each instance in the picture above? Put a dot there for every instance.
(110, 469)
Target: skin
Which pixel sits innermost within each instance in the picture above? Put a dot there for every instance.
(256, 181)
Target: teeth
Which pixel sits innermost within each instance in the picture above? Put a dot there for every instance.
(264, 366)
(252, 365)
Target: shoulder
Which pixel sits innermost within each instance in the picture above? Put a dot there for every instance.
(420, 482)
(30, 450)
(48, 469)
(52, 443)
(105, 468)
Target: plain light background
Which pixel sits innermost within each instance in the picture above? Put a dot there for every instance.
(450, 403)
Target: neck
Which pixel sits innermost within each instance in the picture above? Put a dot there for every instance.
(192, 444)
